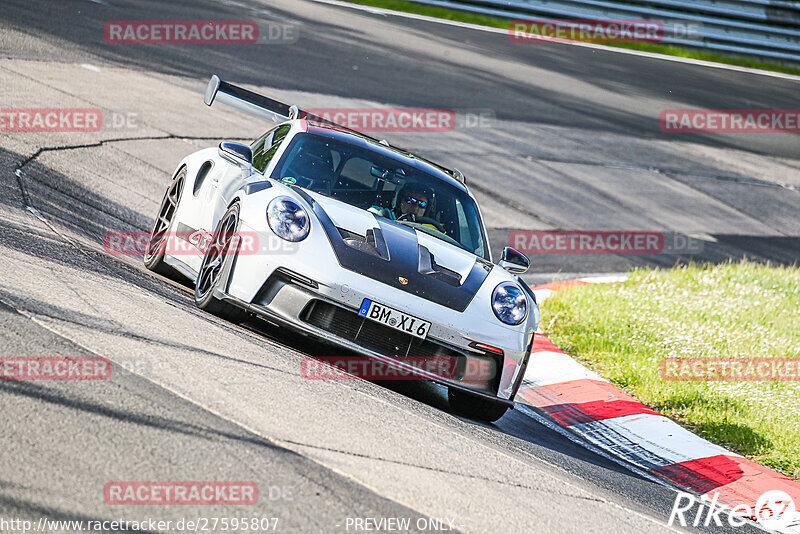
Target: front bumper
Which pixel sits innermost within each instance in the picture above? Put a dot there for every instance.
(301, 303)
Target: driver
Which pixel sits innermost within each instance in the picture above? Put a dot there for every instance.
(412, 201)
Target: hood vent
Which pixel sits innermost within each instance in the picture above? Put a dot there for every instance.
(373, 243)
(428, 266)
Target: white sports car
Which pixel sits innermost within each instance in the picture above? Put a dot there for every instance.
(355, 242)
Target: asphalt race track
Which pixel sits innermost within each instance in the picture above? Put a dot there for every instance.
(571, 141)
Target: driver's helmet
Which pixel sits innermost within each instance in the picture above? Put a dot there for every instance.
(416, 190)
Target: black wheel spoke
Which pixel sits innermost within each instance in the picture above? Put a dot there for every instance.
(165, 214)
(213, 263)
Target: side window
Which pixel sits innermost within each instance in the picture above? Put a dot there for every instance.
(468, 232)
(264, 149)
(258, 144)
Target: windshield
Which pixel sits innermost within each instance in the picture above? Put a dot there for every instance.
(384, 186)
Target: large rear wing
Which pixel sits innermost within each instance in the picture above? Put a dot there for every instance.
(245, 100)
(256, 104)
(262, 106)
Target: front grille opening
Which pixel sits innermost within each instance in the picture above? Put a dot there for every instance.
(352, 327)
(422, 353)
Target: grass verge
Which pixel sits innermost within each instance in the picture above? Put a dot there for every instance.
(485, 20)
(741, 310)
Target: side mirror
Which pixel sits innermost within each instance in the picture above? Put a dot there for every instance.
(236, 152)
(514, 261)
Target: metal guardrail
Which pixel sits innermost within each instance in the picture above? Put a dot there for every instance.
(767, 29)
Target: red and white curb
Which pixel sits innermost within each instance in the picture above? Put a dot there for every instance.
(579, 399)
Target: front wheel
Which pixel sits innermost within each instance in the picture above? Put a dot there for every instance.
(219, 254)
(475, 407)
(159, 236)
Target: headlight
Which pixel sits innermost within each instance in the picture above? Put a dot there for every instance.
(287, 219)
(509, 303)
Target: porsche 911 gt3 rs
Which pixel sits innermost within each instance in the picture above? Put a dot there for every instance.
(358, 243)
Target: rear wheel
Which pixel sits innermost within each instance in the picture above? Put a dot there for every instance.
(475, 407)
(159, 236)
(218, 255)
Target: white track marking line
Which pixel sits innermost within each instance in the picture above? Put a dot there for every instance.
(490, 29)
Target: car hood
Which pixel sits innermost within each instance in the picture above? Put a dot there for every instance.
(399, 256)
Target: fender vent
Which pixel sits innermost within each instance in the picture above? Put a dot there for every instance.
(201, 176)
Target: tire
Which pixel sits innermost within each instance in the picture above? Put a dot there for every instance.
(216, 258)
(154, 255)
(475, 407)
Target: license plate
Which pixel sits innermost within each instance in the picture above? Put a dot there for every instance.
(395, 319)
